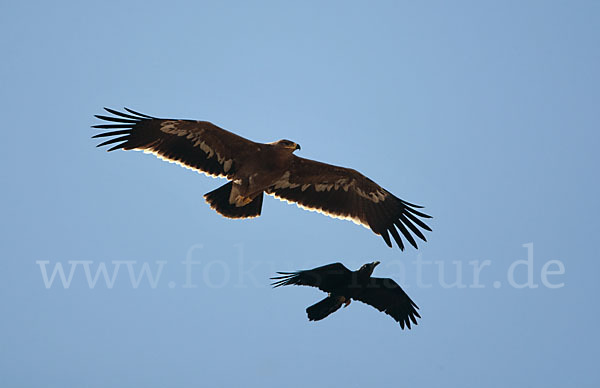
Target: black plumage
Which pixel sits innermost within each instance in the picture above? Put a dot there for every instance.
(343, 285)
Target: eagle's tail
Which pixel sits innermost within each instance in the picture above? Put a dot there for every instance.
(219, 201)
(322, 309)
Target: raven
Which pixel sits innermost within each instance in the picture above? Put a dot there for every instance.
(344, 285)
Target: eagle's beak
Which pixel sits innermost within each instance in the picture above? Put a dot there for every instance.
(297, 147)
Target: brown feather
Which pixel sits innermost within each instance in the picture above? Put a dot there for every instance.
(382, 215)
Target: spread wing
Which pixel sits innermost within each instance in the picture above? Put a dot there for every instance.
(325, 278)
(347, 194)
(199, 145)
(387, 296)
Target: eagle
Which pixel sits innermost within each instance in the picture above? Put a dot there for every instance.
(343, 285)
(255, 168)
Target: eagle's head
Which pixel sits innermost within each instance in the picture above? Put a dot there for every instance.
(287, 144)
(367, 269)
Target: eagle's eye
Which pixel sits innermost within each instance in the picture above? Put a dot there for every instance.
(286, 143)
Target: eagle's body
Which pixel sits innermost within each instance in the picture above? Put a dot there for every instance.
(273, 159)
(343, 285)
(256, 168)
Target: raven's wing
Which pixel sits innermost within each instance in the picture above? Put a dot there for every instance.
(199, 145)
(326, 278)
(347, 194)
(386, 295)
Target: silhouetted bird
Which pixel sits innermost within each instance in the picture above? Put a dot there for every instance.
(344, 285)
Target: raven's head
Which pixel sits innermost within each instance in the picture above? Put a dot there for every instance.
(367, 269)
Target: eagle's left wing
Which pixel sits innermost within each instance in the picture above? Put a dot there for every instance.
(199, 145)
(347, 194)
(387, 296)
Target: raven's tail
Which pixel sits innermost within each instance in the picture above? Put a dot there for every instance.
(219, 201)
(322, 309)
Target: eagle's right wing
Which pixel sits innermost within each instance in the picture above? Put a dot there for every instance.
(345, 193)
(326, 278)
(199, 145)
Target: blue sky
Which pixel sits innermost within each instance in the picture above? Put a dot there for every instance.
(486, 113)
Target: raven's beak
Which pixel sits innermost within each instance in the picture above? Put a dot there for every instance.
(297, 147)
(376, 263)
